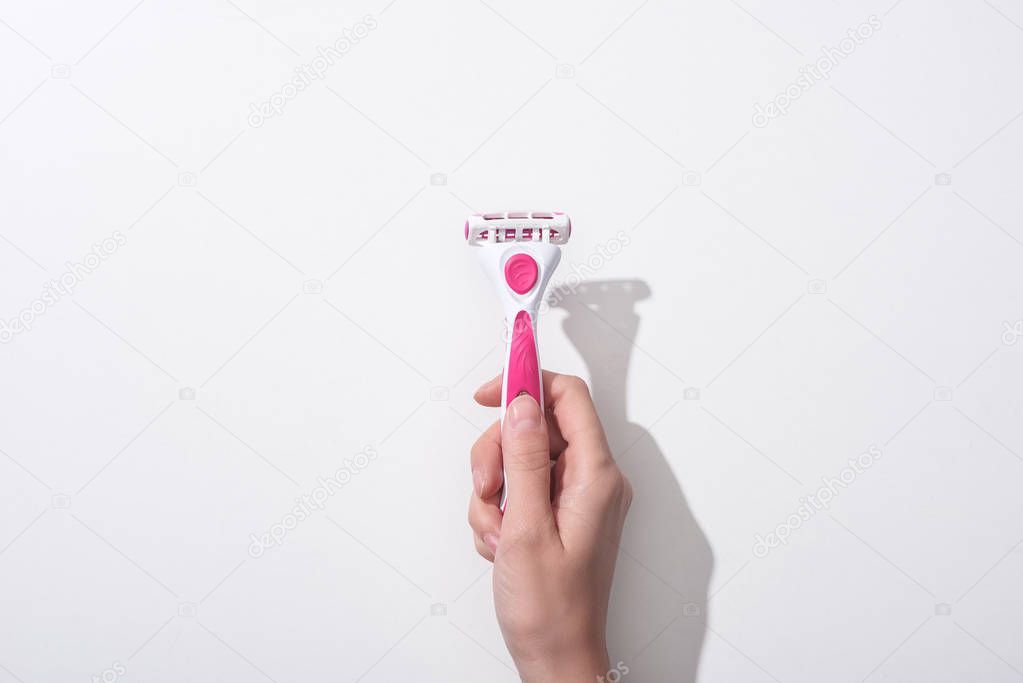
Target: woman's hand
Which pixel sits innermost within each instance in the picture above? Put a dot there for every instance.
(555, 547)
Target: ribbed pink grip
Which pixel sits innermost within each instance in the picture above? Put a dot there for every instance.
(523, 364)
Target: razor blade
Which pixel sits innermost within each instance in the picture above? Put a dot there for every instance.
(518, 226)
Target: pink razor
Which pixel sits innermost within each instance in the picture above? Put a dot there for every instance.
(520, 250)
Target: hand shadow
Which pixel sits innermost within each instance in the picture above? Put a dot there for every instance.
(665, 561)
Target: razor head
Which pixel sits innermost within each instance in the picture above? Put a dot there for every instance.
(553, 227)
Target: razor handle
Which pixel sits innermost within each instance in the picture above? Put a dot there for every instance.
(522, 373)
(520, 271)
(525, 272)
(522, 365)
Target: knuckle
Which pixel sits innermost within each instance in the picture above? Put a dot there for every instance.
(576, 385)
(528, 537)
(618, 485)
(534, 459)
(615, 486)
(482, 549)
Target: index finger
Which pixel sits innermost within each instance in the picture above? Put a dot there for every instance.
(568, 398)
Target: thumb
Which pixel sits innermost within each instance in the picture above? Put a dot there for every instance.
(527, 459)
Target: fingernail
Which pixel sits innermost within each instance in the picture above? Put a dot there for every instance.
(478, 481)
(491, 541)
(523, 413)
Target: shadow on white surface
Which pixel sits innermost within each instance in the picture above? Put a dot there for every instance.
(665, 562)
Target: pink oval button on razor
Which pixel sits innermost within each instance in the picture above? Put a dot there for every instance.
(520, 273)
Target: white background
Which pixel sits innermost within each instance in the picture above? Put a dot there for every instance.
(811, 283)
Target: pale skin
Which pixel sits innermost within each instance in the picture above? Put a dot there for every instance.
(554, 549)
